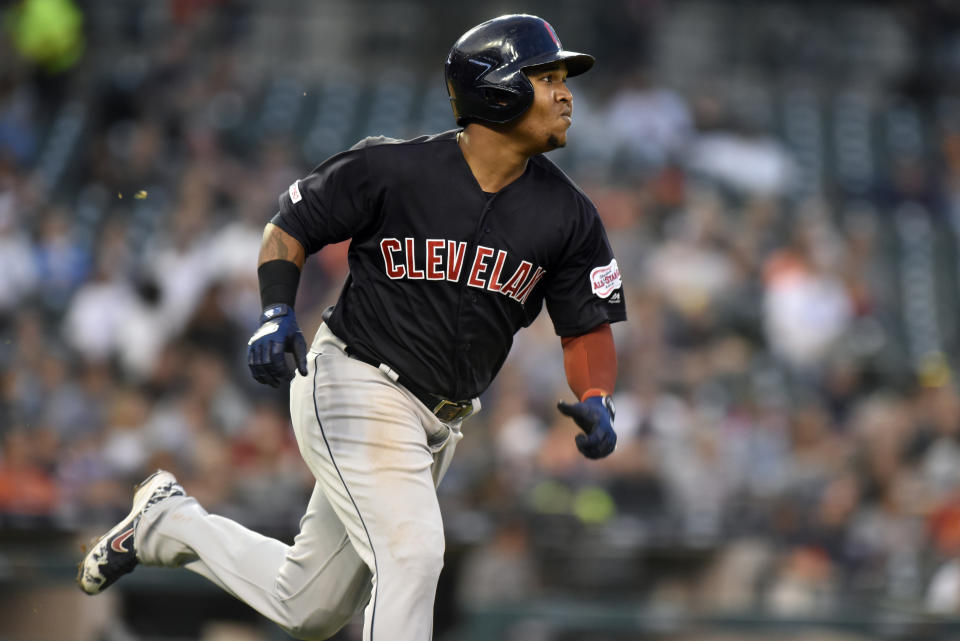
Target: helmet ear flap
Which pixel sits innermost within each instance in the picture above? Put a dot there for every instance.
(498, 97)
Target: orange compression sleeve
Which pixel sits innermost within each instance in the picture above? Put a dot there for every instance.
(590, 362)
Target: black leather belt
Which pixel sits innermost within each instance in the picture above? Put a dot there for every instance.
(444, 409)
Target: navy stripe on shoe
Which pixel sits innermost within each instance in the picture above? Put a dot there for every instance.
(316, 411)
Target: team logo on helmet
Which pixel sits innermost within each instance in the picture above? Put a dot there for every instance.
(552, 34)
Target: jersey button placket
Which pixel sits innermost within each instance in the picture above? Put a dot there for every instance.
(463, 366)
(473, 297)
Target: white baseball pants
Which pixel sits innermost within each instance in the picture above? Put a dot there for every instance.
(372, 533)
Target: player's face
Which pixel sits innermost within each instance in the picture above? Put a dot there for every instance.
(546, 122)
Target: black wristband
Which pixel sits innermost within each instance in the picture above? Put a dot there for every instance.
(278, 282)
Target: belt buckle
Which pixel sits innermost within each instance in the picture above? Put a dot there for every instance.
(448, 411)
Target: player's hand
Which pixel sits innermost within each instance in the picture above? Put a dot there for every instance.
(267, 348)
(595, 417)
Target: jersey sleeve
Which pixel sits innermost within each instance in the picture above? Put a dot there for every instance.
(330, 205)
(586, 289)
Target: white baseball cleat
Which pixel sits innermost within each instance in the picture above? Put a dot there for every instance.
(113, 554)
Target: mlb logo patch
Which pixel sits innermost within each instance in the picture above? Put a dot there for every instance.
(606, 279)
(295, 192)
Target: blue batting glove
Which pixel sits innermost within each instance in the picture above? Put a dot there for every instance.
(595, 417)
(267, 348)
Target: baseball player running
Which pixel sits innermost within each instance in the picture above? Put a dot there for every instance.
(457, 240)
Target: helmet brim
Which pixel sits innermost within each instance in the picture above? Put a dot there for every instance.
(577, 63)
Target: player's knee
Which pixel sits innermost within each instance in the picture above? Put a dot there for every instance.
(418, 547)
(317, 625)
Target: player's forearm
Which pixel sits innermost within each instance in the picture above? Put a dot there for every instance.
(590, 362)
(278, 270)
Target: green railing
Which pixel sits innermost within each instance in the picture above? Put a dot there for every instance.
(561, 619)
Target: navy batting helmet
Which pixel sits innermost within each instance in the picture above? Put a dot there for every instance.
(485, 68)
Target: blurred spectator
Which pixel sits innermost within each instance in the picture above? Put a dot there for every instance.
(732, 582)
(30, 344)
(943, 595)
(698, 481)
(270, 479)
(125, 447)
(26, 487)
(500, 571)
(62, 262)
(650, 123)
(806, 307)
(804, 585)
(691, 269)
(939, 438)
(18, 273)
(18, 126)
(747, 163)
(738, 155)
(943, 591)
(101, 314)
(180, 261)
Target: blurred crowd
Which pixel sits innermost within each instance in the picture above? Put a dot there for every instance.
(779, 445)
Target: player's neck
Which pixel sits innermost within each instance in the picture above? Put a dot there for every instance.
(495, 159)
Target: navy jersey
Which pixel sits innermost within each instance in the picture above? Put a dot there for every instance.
(443, 274)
